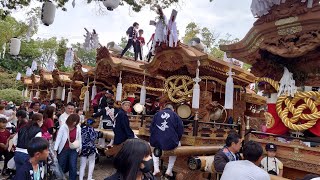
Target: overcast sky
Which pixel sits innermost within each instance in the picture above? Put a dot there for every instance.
(223, 16)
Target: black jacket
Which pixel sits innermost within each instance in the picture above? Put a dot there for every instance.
(166, 130)
(122, 130)
(118, 176)
(26, 172)
(220, 160)
(132, 33)
(25, 135)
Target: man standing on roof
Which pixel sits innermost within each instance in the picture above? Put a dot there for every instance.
(132, 41)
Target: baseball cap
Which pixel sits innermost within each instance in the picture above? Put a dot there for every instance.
(271, 147)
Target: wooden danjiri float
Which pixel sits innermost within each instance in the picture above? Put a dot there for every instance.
(169, 78)
(283, 48)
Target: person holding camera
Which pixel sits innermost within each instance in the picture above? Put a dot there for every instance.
(68, 145)
(271, 164)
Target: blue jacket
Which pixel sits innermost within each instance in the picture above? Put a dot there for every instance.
(88, 137)
(166, 130)
(122, 130)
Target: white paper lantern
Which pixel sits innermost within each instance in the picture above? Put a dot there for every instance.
(196, 96)
(111, 4)
(143, 95)
(48, 13)
(15, 45)
(228, 102)
(119, 92)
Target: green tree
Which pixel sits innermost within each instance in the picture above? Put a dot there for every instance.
(48, 48)
(8, 80)
(61, 52)
(13, 95)
(192, 31)
(9, 28)
(85, 57)
(122, 44)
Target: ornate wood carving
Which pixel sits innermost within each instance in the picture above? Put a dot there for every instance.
(292, 45)
(77, 72)
(284, 10)
(102, 53)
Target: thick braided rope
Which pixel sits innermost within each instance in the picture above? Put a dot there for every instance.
(83, 92)
(311, 101)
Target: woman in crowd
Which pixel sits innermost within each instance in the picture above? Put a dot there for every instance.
(48, 124)
(133, 162)
(23, 138)
(88, 150)
(68, 145)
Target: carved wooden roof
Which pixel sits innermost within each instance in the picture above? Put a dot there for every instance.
(26, 81)
(288, 36)
(108, 69)
(183, 61)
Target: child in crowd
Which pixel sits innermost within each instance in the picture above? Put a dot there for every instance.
(5, 136)
(140, 43)
(38, 150)
(88, 152)
(271, 164)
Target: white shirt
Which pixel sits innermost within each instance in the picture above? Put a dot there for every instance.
(62, 137)
(272, 164)
(243, 170)
(63, 118)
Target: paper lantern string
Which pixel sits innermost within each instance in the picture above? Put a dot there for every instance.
(28, 72)
(34, 65)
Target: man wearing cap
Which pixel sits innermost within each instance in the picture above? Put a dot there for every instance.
(166, 131)
(271, 164)
(121, 128)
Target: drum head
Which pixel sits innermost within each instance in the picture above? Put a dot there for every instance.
(184, 111)
(216, 114)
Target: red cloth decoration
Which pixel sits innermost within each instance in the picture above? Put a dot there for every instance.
(278, 127)
(131, 99)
